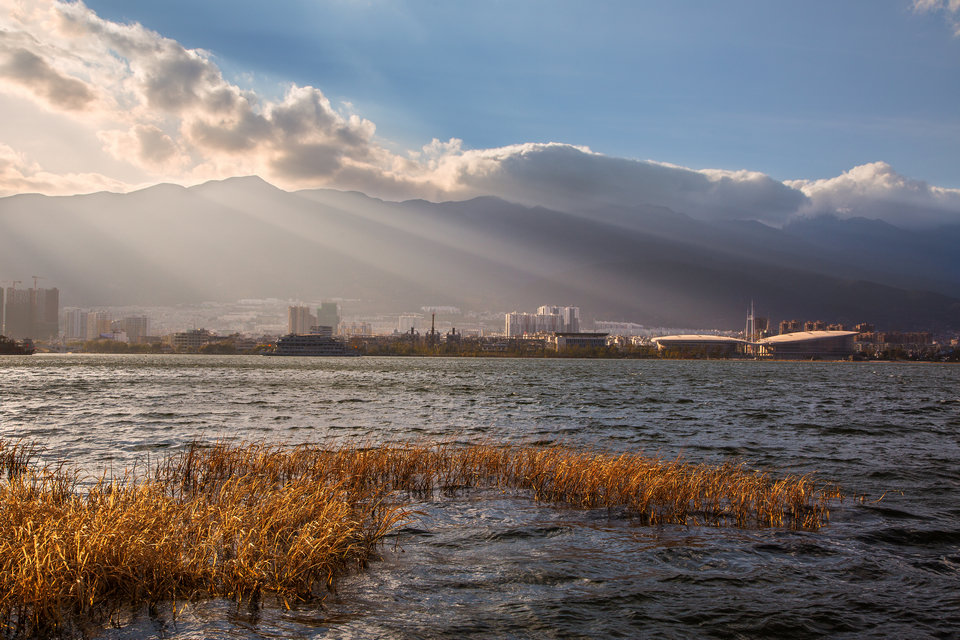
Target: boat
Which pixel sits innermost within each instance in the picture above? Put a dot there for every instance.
(11, 347)
(311, 344)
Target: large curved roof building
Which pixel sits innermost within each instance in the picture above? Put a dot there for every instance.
(806, 345)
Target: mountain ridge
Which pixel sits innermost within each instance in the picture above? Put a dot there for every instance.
(245, 238)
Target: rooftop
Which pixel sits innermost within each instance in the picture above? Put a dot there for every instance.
(804, 336)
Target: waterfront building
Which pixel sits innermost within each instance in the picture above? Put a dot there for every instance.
(32, 313)
(806, 345)
(18, 314)
(698, 344)
(192, 340)
(561, 341)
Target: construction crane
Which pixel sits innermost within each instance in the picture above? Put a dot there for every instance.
(14, 283)
(35, 278)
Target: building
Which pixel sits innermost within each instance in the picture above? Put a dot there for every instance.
(18, 314)
(192, 340)
(568, 317)
(707, 346)
(136, 328)
(356, 329)
(328, 315)
(75, 324)
(808, 345)
(32, 313)
(791, 326)
(299, 319)
(561, 341)
(547, 319)
(98, 324)
(518, 324)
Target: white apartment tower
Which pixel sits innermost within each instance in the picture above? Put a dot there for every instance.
(547, 319)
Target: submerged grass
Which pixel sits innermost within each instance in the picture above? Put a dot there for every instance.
(245, 521)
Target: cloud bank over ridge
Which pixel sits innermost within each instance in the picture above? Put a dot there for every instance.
(164, 113)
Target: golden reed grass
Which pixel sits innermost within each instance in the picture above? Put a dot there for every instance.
(243, 521)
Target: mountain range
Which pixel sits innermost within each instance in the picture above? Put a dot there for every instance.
(244, 238)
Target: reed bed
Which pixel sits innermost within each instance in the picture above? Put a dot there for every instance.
(253, 520)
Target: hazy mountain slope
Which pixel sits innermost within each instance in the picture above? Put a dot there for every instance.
(666, 267)
(913, 259)
(245, 238)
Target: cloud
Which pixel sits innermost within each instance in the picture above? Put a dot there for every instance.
(573, 179)
(19, 175)
(150, 146)
(950, 9)
(168, 109)
(164, 112)
(34, 73)
(877, 191)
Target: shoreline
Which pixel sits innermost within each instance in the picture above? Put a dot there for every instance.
(499, 357)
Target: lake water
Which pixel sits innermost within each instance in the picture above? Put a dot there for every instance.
(485, 565)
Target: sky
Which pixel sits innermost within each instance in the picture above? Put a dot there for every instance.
(742, 109)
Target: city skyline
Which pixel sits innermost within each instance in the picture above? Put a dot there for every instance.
(304, 180)
(36, 307)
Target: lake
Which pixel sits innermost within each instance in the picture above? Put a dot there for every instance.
(486, 564)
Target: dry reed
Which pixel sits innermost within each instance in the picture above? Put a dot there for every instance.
(243, 521)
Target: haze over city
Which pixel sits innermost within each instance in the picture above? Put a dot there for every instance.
(654, 163)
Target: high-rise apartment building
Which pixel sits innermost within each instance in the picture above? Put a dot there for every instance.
(32, 313)
(328, 315)
(547, 319)
(519, 323)
(299, 319)
(98, 323)
(136, 328)
(75, 324)
(571, 319)
(790, 326)
(18, 314)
